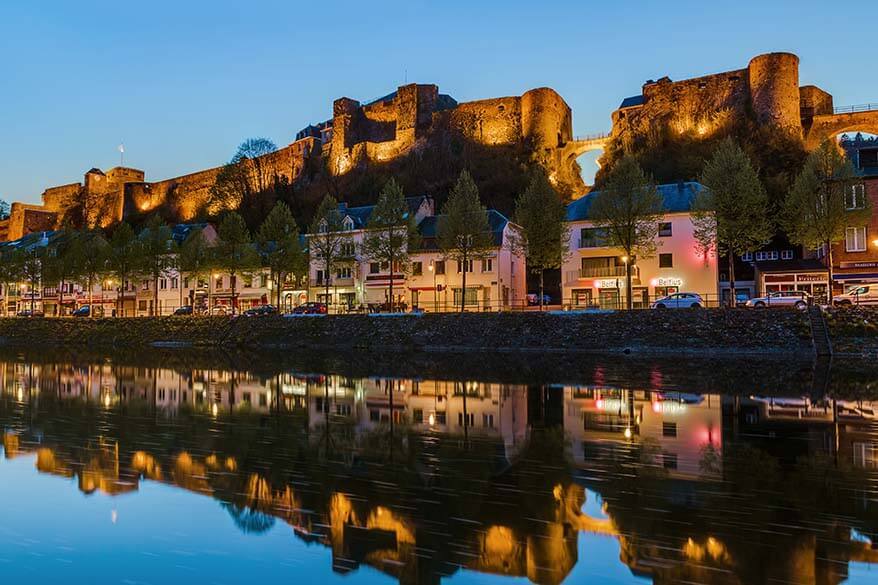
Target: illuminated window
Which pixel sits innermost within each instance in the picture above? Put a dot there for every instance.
(855, 239)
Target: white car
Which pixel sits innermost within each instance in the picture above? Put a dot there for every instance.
(858, 295)
(681, 300)
(785, 298)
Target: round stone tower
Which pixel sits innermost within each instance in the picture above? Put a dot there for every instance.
(774, 90)
(545, 118)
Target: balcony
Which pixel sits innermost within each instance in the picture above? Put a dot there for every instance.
(594, 242)
(607, 272)
(318, 282)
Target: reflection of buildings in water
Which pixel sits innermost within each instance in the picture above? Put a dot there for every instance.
(681, 433)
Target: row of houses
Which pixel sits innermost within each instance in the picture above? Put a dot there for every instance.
(593, 274)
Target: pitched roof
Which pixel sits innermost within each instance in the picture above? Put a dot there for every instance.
(795, 265)
(428, 229)
(676, 198)
(181, 231)
(360, 215)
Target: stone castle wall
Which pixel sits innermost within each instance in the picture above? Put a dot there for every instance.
(415, 116)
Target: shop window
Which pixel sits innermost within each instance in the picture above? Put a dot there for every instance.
(855, 239)
(471, 298)
(665, 229)
(666, 260)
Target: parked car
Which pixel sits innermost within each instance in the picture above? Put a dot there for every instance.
(29, 313)
(786, 298)
(220, 310)
(85, 311)
(310, 308)
(680, 300)
(533, 299)
(184, 310)
(261, 311)
(859, 295)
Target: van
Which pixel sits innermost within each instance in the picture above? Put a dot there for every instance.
(858, 295)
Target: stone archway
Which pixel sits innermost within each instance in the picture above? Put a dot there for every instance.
(831, 125)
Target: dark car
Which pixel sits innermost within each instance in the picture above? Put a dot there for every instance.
(261, 311)
(311, 308)
(533, 299)
(184, 310)
(83, 311)
(29, 313)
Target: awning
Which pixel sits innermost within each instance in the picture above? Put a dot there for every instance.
(856, 276)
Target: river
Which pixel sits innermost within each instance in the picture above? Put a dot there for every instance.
(186, 467)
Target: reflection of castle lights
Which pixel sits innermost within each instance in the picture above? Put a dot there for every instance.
(627, 432)
(432, 420)
(214, 409)
(612, 404)
(667, 407)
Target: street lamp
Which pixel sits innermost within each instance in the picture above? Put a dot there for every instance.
(435, 292)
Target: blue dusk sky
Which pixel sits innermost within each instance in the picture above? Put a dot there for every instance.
(182, 83)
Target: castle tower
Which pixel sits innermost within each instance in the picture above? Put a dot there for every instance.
(545, 118)
(774, 90)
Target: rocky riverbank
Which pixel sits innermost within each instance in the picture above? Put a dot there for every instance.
(738, 332)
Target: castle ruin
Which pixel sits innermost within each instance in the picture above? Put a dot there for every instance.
(411, 118)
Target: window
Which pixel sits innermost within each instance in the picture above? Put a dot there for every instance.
(669, 460)
(665, 230)
(592, 237)
(488, 421)
(347, 249)
(769, 255)
(786, 255)
(248, 281)
(219, 282)
(855, 198)
(344, 272)
(348, 224)
(855, 239)
(666, 260)
(418, 415)
(440, 266)
(440, 417)
(747, 257)
(488, 265)
(472, 296)
(669, 429)
(319, 277)
(374, 268)
(144, 285)
(469, 265)
(417, 268)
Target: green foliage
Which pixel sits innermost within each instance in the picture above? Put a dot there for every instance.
(629, 208)
(816, 213)
(278, 241)
(463, 231)
(391, 232)
(234, 250)
(195, 257)
(123, 259)
(543, 237)
(327, 240)
(732, 213)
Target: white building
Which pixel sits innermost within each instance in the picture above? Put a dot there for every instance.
(430, 282)
(593, 275)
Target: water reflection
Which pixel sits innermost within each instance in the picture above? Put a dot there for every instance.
(424, 478)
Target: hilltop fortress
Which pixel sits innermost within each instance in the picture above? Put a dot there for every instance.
(535, 127)
(411, 119)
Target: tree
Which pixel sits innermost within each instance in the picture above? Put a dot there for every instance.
(90, 260)
(282, 254)
(463, 231)
(195, 259)
(328, 242)
(822, 204)
(235, 253)
(61, 259)
(32, 262)
(390, 233)
(123, 260)
(245, 178)
(730, 215)
(543, 237)
(628, 209)
(10, 272)
(4, 210)
(155, 251)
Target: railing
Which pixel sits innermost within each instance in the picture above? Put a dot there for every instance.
(590, 137)
(606, 271)
(592, 243)
(855, 109)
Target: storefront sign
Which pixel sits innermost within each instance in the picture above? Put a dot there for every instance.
(669, 281)
(858, 264)
(607, 283)
(779, 278)
(810, 278)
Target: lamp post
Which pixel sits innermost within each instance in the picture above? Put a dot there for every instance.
(435, 292)
(629, 301)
